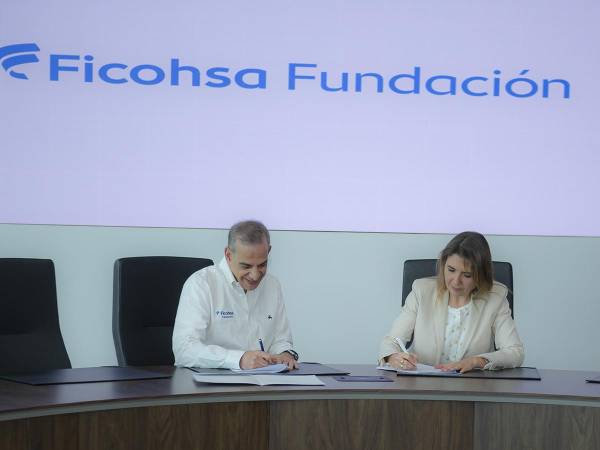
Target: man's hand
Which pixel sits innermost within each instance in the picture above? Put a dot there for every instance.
(254, 359)
(404, 361)
(464, 365)
(285, 358)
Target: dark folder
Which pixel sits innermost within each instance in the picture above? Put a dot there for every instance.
(519, 373)
(312, 368)
(84, 375)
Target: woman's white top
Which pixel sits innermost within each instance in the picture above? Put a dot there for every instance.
(456, 326)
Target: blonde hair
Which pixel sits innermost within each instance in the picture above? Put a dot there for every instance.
(474, 249)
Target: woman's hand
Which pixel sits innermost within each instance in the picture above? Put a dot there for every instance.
(464, 365)
(404, 361)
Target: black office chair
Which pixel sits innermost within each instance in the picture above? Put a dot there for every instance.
(145, 299)
(423, 268)
(30, 337)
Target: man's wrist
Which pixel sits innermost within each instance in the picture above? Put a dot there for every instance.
(293, 353)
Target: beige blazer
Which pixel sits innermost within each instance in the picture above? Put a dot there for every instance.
(489, 323)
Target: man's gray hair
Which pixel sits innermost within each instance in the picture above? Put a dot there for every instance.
(248, 232)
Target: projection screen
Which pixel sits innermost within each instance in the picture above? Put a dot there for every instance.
(391, 116)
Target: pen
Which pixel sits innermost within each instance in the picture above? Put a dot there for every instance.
(403, 348)
(262, 347)
(399, 342)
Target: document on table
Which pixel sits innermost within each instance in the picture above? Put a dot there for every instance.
(260, 380)
(273, 368)
(421, 369)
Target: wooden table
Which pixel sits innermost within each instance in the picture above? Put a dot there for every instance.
(560, 412)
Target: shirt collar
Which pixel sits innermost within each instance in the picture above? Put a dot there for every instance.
(224, 267)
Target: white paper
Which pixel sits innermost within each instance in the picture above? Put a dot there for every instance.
(421, 368)
(261, 380)
(387, 367)
(273, 368)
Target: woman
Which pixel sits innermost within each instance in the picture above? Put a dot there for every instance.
(458, 317)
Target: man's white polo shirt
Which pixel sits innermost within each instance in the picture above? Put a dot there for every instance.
(217, 321)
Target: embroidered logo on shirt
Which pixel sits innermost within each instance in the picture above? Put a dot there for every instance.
(224, 314)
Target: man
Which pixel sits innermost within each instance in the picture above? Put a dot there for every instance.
(232, 315)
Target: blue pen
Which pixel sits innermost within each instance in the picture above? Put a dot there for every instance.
(262, 347)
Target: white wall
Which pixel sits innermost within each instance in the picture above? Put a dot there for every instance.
(342, 289)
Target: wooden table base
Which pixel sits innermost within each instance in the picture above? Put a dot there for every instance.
(361, 424)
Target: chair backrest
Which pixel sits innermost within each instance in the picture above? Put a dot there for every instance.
(423, 268)
(146, 294)
(30, 337)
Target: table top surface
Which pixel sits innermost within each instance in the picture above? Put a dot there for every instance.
(556, 386)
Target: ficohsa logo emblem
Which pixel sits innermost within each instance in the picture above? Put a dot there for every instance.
(12, 56)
